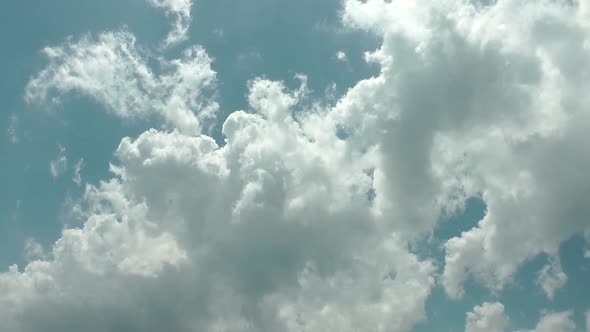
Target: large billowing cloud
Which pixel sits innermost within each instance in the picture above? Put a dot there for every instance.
(272, 231)
(290, 225)
(478, 100)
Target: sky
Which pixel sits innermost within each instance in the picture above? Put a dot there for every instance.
(275, 165)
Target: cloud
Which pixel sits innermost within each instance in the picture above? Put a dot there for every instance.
(551, 277)
(534, 204)
(58, 166)
(341, 56)
(489, 317)
(77, 169)
(218, 33)
(560, 321)
(264, 231)
(34, 250)
(588, 321)
(473, 101)
(111, 70)
(12, 128)
(181, 11)
(246, 59)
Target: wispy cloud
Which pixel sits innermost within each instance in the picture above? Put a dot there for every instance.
(11, 131)
(77, 172)
(180, 11)
(111, 70)
(59, 165)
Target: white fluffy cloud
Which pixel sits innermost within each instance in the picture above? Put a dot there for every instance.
(556, 322)
(180, 10)
(263, 233)
(289, 226)
(477, 100)
(489, 317)
(111, 70)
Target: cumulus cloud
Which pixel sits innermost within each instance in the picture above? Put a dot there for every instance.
(341, 56)
(473, 101)
(488, 317)
(262, 233)
(556, 322)
(289, 225)
(111, 70)
(180, 10)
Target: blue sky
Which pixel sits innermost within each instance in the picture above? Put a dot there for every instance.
(465, 124)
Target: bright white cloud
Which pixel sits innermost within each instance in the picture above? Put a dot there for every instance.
(58, 166)
(472, 100)
(341, 56)
(489, 317)
(180, 10)
(551, 277)
(111, 70)
(272, 221)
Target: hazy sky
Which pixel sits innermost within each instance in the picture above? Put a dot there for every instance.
(275, 165)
